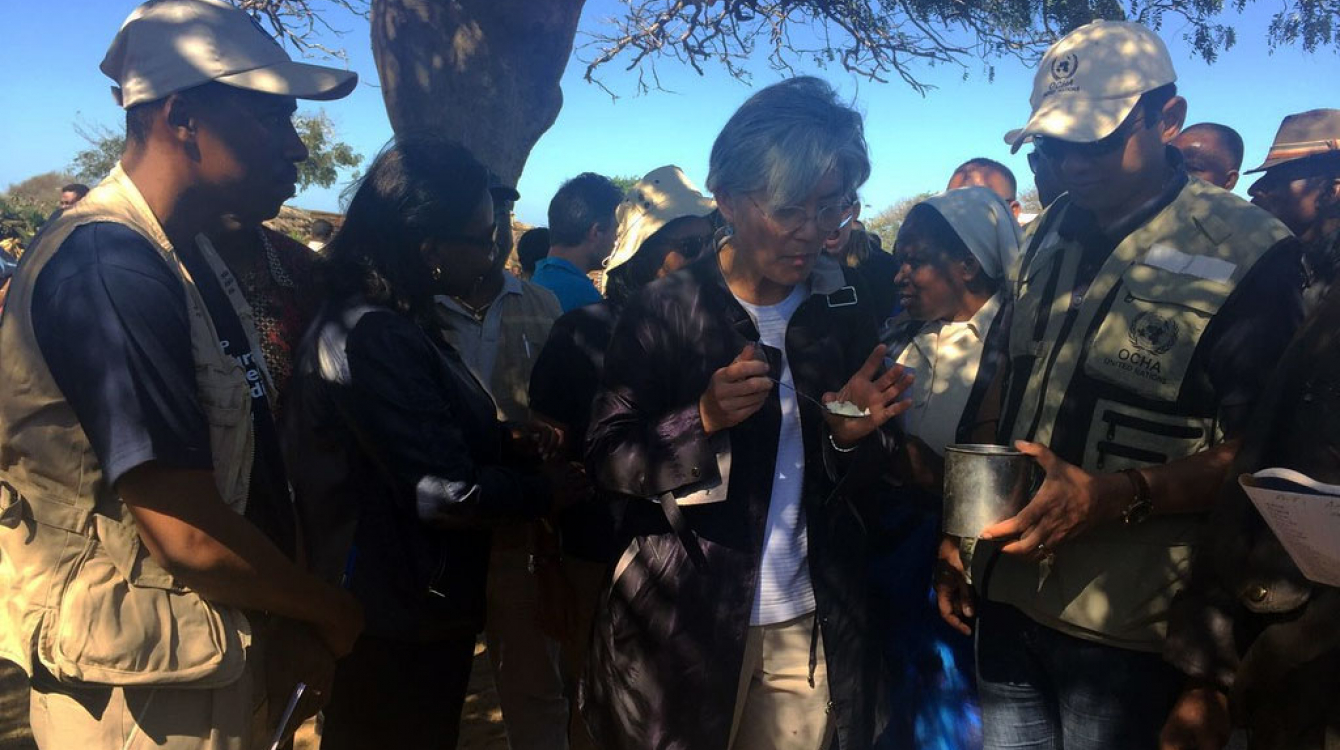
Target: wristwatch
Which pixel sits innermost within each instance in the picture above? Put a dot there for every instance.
(1143, 503)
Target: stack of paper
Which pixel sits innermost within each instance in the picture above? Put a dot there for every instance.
(1305, 516)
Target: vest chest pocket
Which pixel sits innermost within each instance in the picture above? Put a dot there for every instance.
(1122, 436)
(1147, 339)
(225, 400)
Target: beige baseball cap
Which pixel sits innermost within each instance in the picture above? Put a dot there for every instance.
(664, 195)
(167, 46)
(1090, 80)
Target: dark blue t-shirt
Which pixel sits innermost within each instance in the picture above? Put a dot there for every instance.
(112, 324)
(111, 320)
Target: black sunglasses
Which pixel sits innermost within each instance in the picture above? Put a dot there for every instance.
(484, 244)
(1057, 150)
(1034, 161)
(691, 246)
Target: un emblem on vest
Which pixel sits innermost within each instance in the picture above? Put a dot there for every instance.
(1153, 333)
(1063, 68)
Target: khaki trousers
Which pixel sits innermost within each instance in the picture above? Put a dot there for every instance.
(136, 718)
(775, 707)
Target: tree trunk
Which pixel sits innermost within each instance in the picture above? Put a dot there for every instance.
(483, 72)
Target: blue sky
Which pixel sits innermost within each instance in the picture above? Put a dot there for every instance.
(51, 55)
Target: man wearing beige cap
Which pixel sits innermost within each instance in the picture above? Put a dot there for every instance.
(1301, 187)
(147, 530)
(1148, 311)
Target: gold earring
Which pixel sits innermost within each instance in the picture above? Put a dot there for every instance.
(437, 273)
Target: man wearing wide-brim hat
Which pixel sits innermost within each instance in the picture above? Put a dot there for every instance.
(1257, 636)
(146, 522)
(1147, 308)
(1301, 187)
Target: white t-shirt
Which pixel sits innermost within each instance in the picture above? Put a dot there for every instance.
(784, 591)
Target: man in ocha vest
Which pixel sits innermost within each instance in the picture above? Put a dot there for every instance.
(146, 526)
(1149, 311)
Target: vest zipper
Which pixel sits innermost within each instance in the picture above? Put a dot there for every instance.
(251, 467)
(1105, 447)
(1115, 419)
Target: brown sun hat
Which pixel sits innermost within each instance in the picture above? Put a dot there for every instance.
(1302, 136)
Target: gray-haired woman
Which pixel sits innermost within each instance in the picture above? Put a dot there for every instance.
(736, 616)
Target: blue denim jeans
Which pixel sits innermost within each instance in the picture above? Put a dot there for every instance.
(1044, 690)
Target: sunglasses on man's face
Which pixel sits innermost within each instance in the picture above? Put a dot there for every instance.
(1057, 150)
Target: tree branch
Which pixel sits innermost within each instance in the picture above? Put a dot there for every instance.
(876, 39)
(301, 23)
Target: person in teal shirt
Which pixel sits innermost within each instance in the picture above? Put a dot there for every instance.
(581, 236)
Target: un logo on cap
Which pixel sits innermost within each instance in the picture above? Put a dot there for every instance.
(1063, 68)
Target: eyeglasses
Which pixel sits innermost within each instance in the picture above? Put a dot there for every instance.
(1057, 150)
(828, 218)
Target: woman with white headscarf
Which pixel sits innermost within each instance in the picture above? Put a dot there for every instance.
(954, 252)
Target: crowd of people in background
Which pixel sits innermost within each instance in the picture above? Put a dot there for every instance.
(684, 471)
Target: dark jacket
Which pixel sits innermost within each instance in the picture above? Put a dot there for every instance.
(396, 458)
(669, 637)
(1248, 620)
(563, 386)
(873, 278)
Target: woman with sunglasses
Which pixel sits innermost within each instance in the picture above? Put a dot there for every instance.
(737, 614)
(664, 223)
(400, 463)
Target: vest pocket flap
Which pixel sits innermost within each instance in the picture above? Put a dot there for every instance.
(1146, 341)
(222, 396)
(1153, 284)
(122, 544)
(116, 625)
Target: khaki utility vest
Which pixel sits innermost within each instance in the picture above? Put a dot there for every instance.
(80, 593)
(1166, 282)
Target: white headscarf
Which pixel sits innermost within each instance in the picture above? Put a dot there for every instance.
(982, 220)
